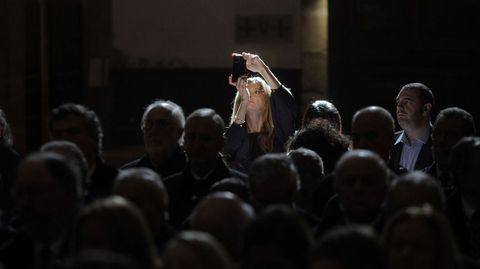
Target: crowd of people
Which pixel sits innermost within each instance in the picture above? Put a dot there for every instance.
(256, 193)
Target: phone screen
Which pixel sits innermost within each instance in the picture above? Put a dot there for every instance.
(239, 67)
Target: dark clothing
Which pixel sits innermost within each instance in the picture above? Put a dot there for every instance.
(172, 165)
(424, 159)
(466, 231)
(241, 148)
(185, 191)
(309, 219)
(101, 181)
(17, 251)
(322, 195)
(333, 216)
(166, 233)
(444, 179)
(9, 160)
(20, 251)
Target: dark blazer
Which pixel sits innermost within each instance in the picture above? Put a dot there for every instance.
(461, 227)
(9, 160)
(101, 181)
(18, 252)
(333, 216)
(173, 165)
(424, 159)
(185, 191)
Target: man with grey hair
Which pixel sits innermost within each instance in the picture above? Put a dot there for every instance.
(162, 125)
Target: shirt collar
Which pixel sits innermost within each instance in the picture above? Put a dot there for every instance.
(422, 138)
(207, 175)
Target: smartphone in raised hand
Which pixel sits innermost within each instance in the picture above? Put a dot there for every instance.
(239, 66)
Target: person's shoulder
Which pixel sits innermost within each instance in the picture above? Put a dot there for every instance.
(470, 263)
(105, 167)
(140, 162)
(9, 154)
(173, 176)
(174, 180)
(235, 173)
(431, 169)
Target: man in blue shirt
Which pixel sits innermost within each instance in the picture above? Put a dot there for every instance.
(412, 145)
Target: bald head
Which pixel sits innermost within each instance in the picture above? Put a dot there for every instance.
(373, 128)
(361, 181)
(225, 217)
(144, 188)
(273, 179)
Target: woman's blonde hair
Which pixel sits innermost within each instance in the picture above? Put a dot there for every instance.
(265, 138)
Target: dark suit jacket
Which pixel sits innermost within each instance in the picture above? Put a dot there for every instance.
(424, 159)
(185, 191)
(9, 160)
(173, 165)
(101, 181)
(18, 252)
(333, 217)
(460, 226)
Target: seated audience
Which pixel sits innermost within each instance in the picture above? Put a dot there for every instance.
(420, 238)
(414, 189)
(144, 188)
(234, 185)
(195, 249)
(274, 179)
(162, 126)
(463, 205)
(9, 160)
(277, 238)
(115, 225)
(361, 180)
(373, 128)
(203, 142)
(48, 195)
(74, 156)
(349, 247)
(322, 109)
(81, 125)
(449, 127)
(309, 165)
(322, 138)
(226, 218)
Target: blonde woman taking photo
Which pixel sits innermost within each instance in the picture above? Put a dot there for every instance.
(263, 116)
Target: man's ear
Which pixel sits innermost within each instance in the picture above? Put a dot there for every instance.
(427, 108)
